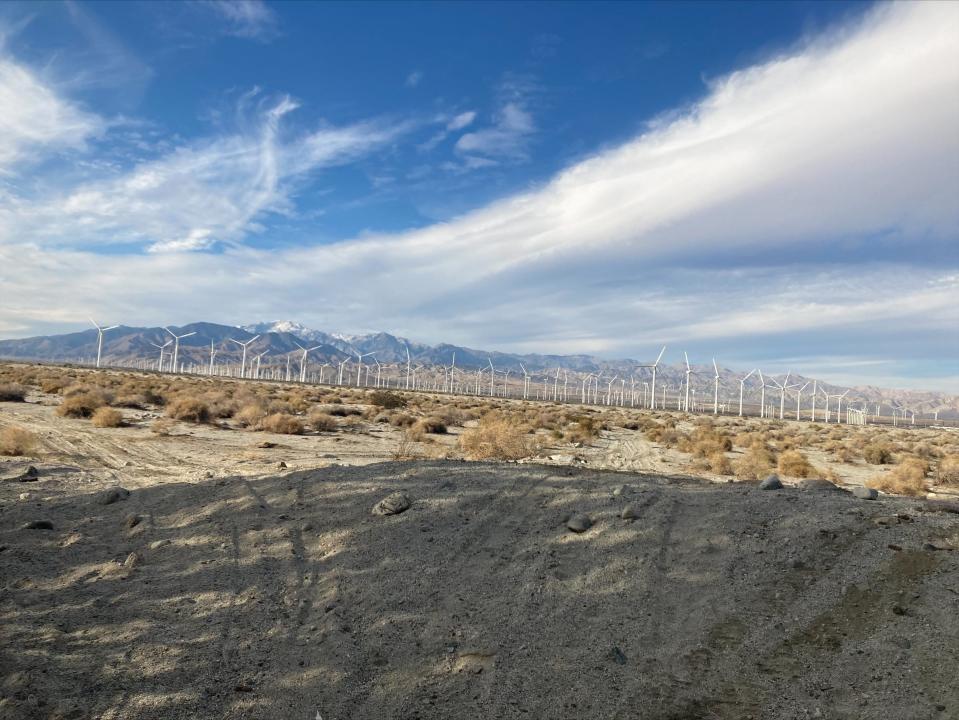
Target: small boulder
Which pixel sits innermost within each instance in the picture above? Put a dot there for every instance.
(112, 495)
(579, 522)
(629, 513)
(266, 445)
(31, 474)
(38, 525)
(622, 490)
(771, 483)
(132, 520)
(132, 560)
(392, 504)
(864, 493)
(157, 544)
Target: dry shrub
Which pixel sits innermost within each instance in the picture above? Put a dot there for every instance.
(406, 447)
(323, 422)
(793, 463)
(12, 392)
(720, 464)
(497, 437)
(53, 385)
(755, 464)
(188, 409)
(402, 420)
(948, 471)
(387, 400)
(877, 454)
(107, 417)
(907, 478)
(16, 440)
(162, 426)
(250, 415)
(431, 425)
(81, 404)
(282, 423)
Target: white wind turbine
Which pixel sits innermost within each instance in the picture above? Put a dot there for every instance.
(525, 382)
(342, 366)
(306, 351)
(492, 376)
(452, 368)
(212, 356)
(162, 348)
(762, 395)
(407, 367)
(244, 345)
(799, 398)
(176, 346)
(689, 372)
(359, 367)
(256, 358)
(742, 386)
(100, 332)
(715, 389)
(652, 396)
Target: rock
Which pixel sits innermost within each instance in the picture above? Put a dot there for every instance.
(392, 504)
(579, 522)
(885, 520)
(818, 485)
(38, 525)
(629, 513)
(622, 490)
(281, 465)
(157, 544)
(112, 495)
(132, 560)
(132, 520)
(899, 610)
(31, 474)
(208, 474)
(24, 496)
(243, 687)
(771, 483)
(864, 493)
(618, 657)
(266, 445)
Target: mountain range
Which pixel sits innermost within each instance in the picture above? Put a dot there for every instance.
(277, 340)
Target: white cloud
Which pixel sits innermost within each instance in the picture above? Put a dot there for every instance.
(197, 195)
(246, 18)
(34, 116)
(414, 79)
(506, 138)
(679, 235)
(461, 121)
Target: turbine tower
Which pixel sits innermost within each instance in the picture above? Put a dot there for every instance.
(176, 346)
(652, 396)
(306, 351)
(100, 332)
(162, 348)
(244, 345)
(742, 385)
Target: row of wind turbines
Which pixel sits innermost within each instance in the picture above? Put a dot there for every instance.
(494, 382)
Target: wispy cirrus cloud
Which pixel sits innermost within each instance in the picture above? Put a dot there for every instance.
(35, 116)
(252, 19)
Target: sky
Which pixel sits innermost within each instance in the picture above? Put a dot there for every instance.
(771, 184)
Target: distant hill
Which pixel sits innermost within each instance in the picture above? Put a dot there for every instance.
(277, 341)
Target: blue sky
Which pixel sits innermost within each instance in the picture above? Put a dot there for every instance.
(769, 183)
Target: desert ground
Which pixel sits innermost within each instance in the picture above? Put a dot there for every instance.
(183, 547)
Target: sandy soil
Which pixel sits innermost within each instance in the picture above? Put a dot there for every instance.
(228, 586)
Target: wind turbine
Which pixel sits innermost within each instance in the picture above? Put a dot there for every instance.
(652, 396)
(306, 351)
(100, 332)
(342, 365)
(359, 367)
(525, 382)
(407, 367)
(257, 358)
(176, 346)
(742, 385)
(244, 345)
(688, 373)
(799, 398)
(452, 368)
(492, 375)
(212, 355)
(162, 348)
(762, 395)
(715, 389)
